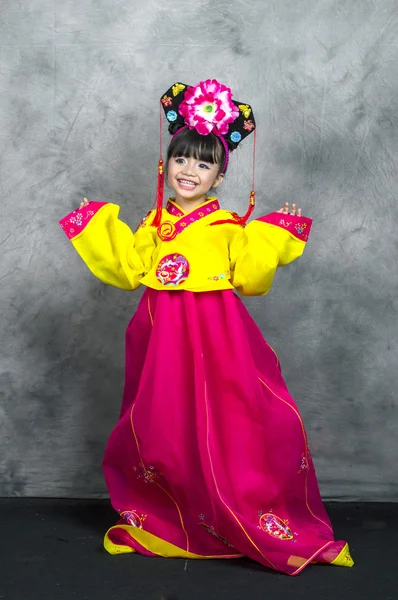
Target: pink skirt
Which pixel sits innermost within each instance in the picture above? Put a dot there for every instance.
(210, 456)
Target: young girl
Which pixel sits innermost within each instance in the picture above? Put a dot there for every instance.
(210, 457)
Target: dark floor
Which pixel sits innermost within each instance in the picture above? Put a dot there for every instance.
(52, 550)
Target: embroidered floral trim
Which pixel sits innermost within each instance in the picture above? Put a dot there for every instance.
(299, 227)
(224, 275)
(284, 223)
(171, 116)
(166, 100)
(245, 110)
(177, 88)
(236, 136)
(167, 231)
(76, 221)
(173, 210)
(248, 125)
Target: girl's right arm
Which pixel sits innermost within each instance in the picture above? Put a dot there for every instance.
(108, 246)
(264, 245)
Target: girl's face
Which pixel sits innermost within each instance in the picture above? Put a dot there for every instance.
(191, 179)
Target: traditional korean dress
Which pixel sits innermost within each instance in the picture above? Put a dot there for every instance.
(209, 458)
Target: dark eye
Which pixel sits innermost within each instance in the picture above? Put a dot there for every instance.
(179, 160)
(203, 166)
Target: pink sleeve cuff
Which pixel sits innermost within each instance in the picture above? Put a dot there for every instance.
(76, 221)
(300, 227)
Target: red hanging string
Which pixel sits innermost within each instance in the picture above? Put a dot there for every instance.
(254, 157)
(237, 220)
(252, 202)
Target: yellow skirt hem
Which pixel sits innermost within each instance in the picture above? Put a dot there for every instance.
(153, 544)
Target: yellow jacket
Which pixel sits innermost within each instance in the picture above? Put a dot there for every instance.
(196, 251)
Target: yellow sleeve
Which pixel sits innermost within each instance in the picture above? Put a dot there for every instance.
(108, 246)
(264, 245)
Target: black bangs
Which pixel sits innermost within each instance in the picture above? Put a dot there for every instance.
(190, 144)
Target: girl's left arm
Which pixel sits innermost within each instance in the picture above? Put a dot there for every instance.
(112, 252)
(264, 245)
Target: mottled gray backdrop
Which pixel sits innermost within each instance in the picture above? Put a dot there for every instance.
(79, 89)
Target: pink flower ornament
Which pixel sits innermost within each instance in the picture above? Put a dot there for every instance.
(208, 107)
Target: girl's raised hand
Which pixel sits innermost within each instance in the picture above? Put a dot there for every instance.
(286, 210)
(84, 203)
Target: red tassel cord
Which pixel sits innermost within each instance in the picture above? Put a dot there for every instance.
(237, 220)
(160, 190)
(159, 195)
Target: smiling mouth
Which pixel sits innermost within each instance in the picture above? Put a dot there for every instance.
(186, 183)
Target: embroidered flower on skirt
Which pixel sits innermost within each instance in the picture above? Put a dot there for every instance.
(275, 526)
(147, 475)
(304, 464)
(133, 518)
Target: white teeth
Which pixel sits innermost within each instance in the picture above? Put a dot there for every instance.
(185, 182)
